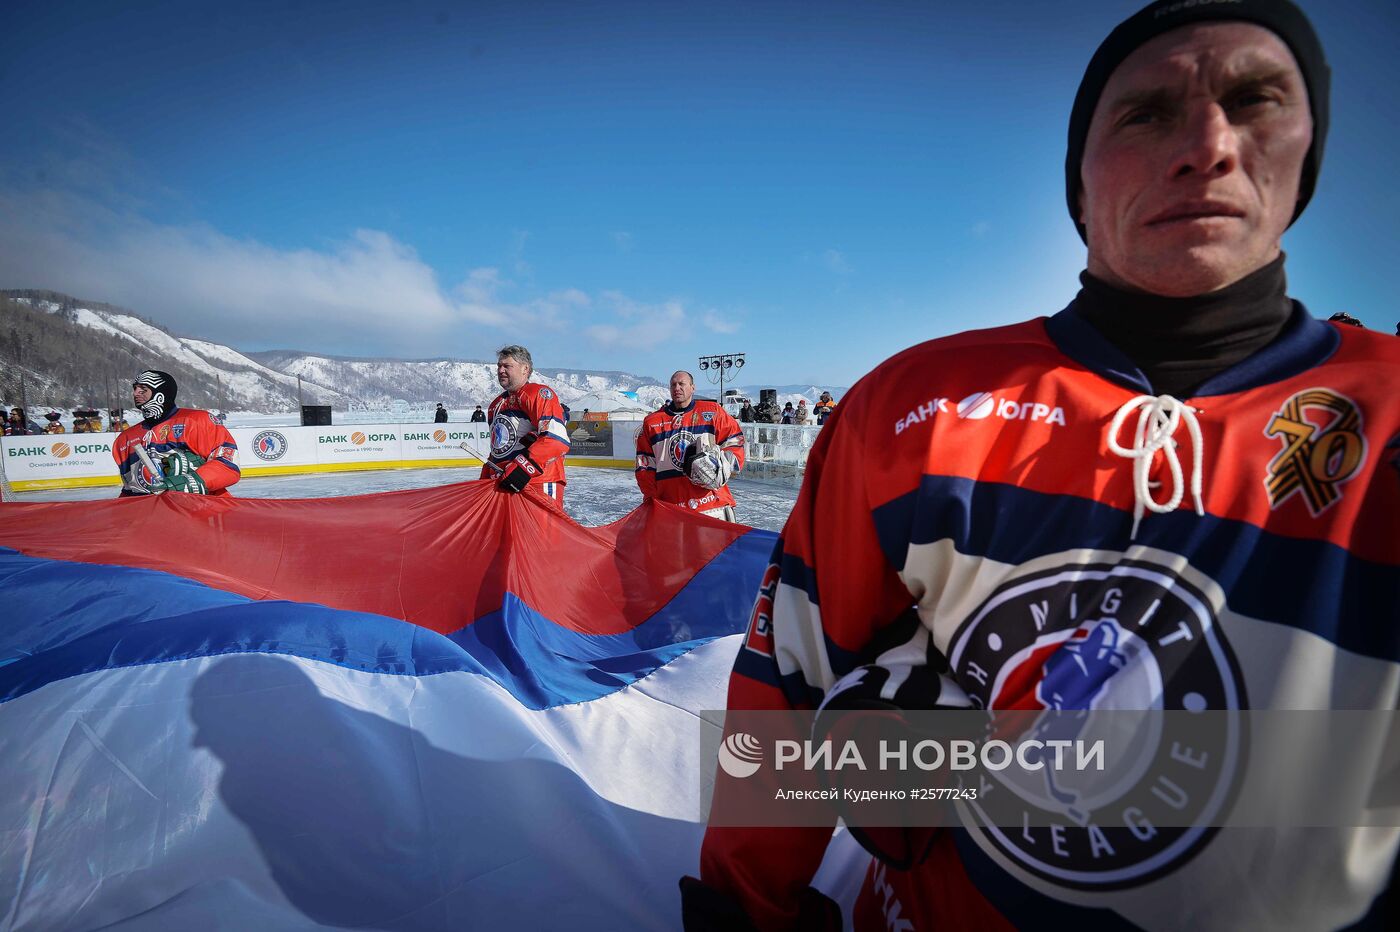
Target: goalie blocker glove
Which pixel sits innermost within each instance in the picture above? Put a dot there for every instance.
(711, 469)
(519, 470)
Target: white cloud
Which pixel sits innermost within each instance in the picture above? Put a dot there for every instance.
(204, 282)
(368, 293)
(836, 262)
(641, 326)
(717, 324)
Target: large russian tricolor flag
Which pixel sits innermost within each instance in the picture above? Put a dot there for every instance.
(436, 709)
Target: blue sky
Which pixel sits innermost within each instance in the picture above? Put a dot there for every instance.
(617, 185)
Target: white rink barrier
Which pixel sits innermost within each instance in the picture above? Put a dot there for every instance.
(775, 452)
(50, 461)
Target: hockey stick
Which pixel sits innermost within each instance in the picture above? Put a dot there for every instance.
(145, 457)
(485, 459)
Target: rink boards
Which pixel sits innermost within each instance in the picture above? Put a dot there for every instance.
(52, 461)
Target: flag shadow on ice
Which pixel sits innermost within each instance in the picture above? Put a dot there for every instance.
(364, 823)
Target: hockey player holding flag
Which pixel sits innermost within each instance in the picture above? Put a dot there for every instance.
(528, 433)
(1172, 494)
(173, 449)
(688, 450)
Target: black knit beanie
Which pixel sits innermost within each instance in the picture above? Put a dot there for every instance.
(1278, 16)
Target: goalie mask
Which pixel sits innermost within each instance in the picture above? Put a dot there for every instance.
(162, 400)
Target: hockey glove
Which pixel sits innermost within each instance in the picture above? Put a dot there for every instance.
(186, 482)
(179, 468)
(518, 472)
(881, 693)
(711, 470)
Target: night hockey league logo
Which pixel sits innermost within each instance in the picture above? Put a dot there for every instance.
(1055, 653)
(680, 442)
(269, 445)
(1323, 447)
(504, 436)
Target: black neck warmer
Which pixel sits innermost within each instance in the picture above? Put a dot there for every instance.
(1178, 343)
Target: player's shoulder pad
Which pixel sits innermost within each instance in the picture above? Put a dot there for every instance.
(1362, 345)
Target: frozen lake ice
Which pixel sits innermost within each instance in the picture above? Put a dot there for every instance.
(594, 496)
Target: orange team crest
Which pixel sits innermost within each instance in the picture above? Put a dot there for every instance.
(1323, 447)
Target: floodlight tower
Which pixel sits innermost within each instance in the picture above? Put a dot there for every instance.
(717, 367)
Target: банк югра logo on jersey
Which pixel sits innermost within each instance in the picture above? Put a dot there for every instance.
(1071, 651)
(980, 406)
(269, 445)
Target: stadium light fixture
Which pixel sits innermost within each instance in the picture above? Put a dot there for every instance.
(716, 367)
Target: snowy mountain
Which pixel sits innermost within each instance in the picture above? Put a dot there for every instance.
(456, 382)
(72, 352)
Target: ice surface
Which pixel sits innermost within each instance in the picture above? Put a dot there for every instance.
(594, 495)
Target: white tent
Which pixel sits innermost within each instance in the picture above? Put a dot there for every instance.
(613, 402)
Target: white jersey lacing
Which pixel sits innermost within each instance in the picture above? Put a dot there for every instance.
(1157, 422)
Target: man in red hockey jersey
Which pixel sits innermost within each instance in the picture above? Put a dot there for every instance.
(189, 451)
(528, 434)
(1169, 495)
(688, 450)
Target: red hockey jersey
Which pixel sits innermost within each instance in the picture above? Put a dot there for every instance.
(529, 419)
(662, 443)
(968, 489)
(184, 429)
